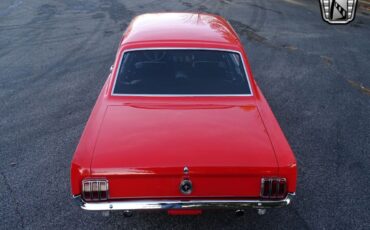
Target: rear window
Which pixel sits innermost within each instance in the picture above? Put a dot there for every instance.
(181, 72)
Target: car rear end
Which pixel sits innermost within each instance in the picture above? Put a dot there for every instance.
(181, 126)
(188, 154)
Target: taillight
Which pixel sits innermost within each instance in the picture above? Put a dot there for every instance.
(273, 188)
(95, 190)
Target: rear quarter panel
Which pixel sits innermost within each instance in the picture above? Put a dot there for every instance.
(80, 166)
(284, 154)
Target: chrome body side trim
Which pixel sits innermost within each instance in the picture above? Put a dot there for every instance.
(184, 204)
(182, 95)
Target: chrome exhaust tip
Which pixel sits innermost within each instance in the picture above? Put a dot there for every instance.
(127, 213)
(239, 212)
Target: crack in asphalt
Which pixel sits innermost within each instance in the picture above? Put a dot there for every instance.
(264, 8)
(11, 7)
(248, 31)
(253, 36)
(327, 60)
(359, 86)
(15, 201)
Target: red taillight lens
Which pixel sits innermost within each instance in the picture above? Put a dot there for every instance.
(94, 190)
(273, 188)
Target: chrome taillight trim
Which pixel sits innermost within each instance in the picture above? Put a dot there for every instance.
(95, 186)
(271, 193)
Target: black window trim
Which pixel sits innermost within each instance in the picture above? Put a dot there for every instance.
(181, 95)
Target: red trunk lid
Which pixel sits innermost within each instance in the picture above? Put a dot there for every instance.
(142, 150)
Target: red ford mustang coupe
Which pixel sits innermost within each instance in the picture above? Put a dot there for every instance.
(180, 125)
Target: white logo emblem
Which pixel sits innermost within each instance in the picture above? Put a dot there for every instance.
(338, 11)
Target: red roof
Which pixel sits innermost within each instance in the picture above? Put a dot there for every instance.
(184, 27)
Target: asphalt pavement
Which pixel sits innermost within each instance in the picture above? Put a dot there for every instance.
(55, 56)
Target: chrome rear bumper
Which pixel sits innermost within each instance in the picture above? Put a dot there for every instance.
(181, 204)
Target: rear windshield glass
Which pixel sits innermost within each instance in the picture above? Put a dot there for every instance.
(185, 72)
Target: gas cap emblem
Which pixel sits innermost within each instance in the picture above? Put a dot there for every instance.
(186, 187)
